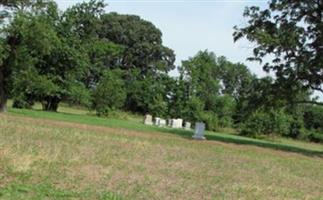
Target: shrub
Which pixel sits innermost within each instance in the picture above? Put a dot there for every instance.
(78, 94)
(315, 137)
(226, 122)
(281, 122)
(313, 117)
(110, 93)
(211, 120)
(193, 110)
(272, 122)
(296, 127)
(258, 123)
(22, 102)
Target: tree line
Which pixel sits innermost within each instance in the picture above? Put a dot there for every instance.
(109, 61)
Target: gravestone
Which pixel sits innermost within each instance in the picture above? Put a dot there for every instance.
(199, 131)
(173, 123)
(177, 123)
(162, 122)
(148, 120)
(187, 126)
(169, 122)
(157, 121)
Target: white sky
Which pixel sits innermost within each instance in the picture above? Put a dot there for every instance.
(191, 25)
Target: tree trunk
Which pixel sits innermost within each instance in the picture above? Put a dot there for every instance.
(3, 104)
(3, 95)
(51, 104)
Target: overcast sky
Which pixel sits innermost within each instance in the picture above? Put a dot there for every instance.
(190, 25)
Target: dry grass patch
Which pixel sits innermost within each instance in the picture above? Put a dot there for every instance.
(149, 165)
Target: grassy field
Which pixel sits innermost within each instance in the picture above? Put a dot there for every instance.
(71, 155)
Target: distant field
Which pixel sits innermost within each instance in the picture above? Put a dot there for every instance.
(76, 156)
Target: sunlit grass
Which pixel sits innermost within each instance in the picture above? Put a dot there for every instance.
(74, 155)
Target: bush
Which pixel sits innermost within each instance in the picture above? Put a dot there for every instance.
(313, 117)
(22, 102)
(311, 135)
(296, 127)
(316, 137)
(258, 123)
(193, 110)
(304, 134)
(211, 120)
(110, 93)
(79, 95)
(272, 122)
(226, 122)
(282, 122)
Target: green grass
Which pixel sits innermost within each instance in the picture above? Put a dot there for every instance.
(280, 144)
(41, 191)
(73, 155)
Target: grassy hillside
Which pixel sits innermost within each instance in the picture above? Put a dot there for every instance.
(77, 156)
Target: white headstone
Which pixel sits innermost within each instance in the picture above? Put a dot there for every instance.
(148, 120)
(199, 131)
(157, 121)
(187, 126)
(162, 122)
(180, 123)
(173, 123)
(169, 122)
(177, 123)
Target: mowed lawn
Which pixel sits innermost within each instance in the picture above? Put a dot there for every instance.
(76, 156)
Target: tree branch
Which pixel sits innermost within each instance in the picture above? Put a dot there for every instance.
(317, 89)
(309, 102)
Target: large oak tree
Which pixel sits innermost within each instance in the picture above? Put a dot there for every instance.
(291, 33)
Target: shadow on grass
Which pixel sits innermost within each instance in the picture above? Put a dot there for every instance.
(265, 144)
(247, 141)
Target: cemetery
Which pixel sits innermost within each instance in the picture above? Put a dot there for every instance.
(177, 123)
(113, 100)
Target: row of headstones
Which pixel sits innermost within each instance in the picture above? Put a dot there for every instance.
(173, 123)
(177, 123)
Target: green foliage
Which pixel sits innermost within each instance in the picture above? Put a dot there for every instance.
(313, 117)
(34, 46)
(22, 102)
(211, 120)
(296, 127)
(272, 122)
(147, 94)
(158, 106)
(141, 40)
(224, 107)
(291, 33)
(215, 85)
(108, 61)
(226, 122)
(316, 137)
(177, 98)
(29, 86)
(258, 123)
(282, 123)
(201, 73)
(110, 93)
(311, 135)
(236, 78)
(83, 19)
(79, 95)
(193, 109)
